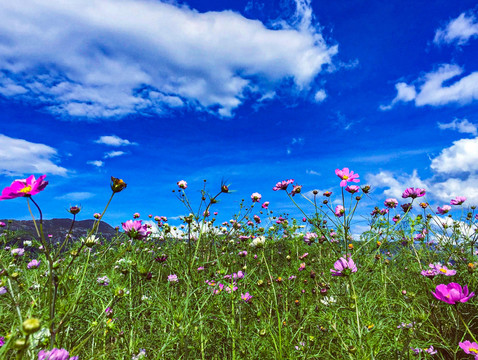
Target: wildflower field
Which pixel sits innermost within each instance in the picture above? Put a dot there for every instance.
(262, 285)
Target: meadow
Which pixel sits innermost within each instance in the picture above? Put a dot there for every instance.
(262, 285)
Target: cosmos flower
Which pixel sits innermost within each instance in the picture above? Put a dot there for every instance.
(347, 176)
(343, 267)
(452, 293)
(24, 188)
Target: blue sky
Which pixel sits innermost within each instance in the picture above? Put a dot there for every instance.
(249, 92)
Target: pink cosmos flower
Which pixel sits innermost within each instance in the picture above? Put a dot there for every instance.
(136, 215)
(256, 197)
(413, 193)
(470, 348)
(55, 354)
(182, 184)
(301, 267)
(452, 293)
(443, 270)
(33, 264)
(246, 297)
(24, 188)
(173, 278)
(391, 203)
(443, 210)
(135, 230)
(347, 176)
(339, 211)
(458, 200)
(352, 189)
(343, 267)
(265, 205)
(282, 185)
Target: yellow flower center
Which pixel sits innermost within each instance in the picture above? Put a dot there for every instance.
(473, 350)
(26, 189)
(345, 177)
(443, 270)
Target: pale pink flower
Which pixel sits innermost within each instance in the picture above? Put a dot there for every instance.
(182, 184)
(347, 176)
(352, 189)
(391, 203)
(282, 185)
(339, 211)
(413, 193)
(458, 200)
(443, 210)
(256, 197)
(343, 267)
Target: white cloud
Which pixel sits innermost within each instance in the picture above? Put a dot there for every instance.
(18, 157)
(405, 93)
(395, 185)
(432, 92)
(76, 196)
(312, 172)
(109, 58)
(453, 162)
(97, 163)
(462, 126)
(113, 140)
(458, 30)
(320, 96)
(462, 156)
(112, 154)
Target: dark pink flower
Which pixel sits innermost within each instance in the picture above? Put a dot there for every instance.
(265, 205)
(470, 348)
(347, 176)
(458, 200)
(24, 188)
(135, 230)
(452, 293)
(413, 193)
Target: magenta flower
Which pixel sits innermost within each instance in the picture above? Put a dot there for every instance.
(391, 203)
(256, 197)
(347, 176)
(431, 273)
(413, 193)
(24, 188)
(458, 200)
(301, 267)
(246, 297)
(443, 210)
(296, 189)
(136, 215)
(339, 211)
(470, 348)
(282, 185)
(343, 267)
(135, 230)
(452, 293)
(55, 354)
(265, 205)
(352, 189)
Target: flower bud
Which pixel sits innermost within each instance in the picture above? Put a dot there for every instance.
(74, 210)
(117, 185)
(31, 326)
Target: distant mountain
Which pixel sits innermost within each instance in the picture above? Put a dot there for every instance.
(58, 228)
